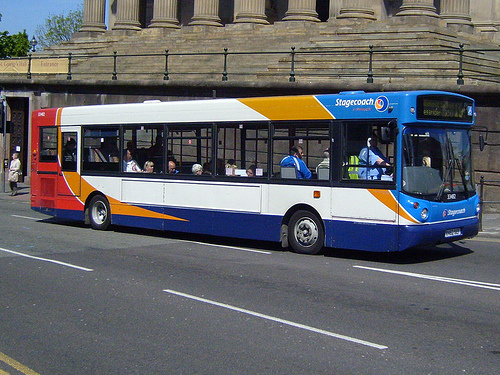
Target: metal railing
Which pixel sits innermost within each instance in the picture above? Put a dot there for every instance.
(461, 64)
(482, 202)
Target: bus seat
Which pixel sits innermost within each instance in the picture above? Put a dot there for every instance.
(288, 172)
(352, 170)
(323, 173)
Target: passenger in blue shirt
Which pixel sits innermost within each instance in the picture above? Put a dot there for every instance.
(294, 159)
(372, 156)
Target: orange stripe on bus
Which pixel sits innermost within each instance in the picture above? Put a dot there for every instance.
(386, 198)
(121, 208)
(306, 107)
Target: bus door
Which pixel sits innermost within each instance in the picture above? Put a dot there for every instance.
(45, 166)
(69, 183)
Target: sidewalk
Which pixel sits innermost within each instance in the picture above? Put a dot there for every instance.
(490, 224)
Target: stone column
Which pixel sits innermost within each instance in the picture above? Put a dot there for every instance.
(361, 9)
(456, 12)
(301, 10)
(486, 17)
(334, 10)
(165, 14)
(206, 13)
(418, 8)
(127, 15)
(250, 11)
(93, 16)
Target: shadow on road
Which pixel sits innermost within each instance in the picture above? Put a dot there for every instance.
(417, 255)
(411, 256)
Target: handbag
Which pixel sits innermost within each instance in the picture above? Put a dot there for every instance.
(13, 176)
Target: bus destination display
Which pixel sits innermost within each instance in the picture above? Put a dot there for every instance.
(444, 108)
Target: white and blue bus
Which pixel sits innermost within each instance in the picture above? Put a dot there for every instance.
(388, 171)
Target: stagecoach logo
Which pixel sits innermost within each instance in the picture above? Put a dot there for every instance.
(381, 103)
(354, 102)
(453, 212)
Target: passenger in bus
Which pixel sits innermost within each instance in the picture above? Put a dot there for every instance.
(109, 150)
(197, 169)
(172, 167)
(325, 163)
(294, 159)
(230, 167)
(426, 161)
(149, 167)
(130, 165)
(374, 158)
(252, 171)
(157, 148)
(70, 150)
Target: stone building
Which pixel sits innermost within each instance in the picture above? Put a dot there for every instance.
(132, 50)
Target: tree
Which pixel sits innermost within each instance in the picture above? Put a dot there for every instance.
(13, 45)
(59, 28)
(16, 45)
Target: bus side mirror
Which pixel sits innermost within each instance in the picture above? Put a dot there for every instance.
(482, 142)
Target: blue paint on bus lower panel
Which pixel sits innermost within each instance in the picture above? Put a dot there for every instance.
(339, 234)
(434, 233)
(361, 236)
(219, 223)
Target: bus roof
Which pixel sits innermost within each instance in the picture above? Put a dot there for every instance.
(344, 105)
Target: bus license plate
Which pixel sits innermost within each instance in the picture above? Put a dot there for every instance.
(453, 232)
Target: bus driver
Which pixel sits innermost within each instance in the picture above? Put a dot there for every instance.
(374, 159)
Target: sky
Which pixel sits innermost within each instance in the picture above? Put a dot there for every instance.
(19, 15)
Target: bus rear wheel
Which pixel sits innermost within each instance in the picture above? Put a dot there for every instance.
(99, 213)
(305, 233)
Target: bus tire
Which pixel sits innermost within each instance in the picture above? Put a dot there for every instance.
(99, 213)
(305, 233)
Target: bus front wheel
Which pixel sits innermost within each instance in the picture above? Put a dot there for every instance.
(305, 233)
(99, 213)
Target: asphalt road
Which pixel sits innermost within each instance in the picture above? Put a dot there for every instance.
(125, 301)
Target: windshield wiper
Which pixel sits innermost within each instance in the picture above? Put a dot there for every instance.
(452, 161)
(447, 174)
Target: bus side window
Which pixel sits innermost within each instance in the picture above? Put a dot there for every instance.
(69, 151)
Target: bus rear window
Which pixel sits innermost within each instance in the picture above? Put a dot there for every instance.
(48, 144)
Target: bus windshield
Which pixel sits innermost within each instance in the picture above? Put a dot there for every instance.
(437, 163)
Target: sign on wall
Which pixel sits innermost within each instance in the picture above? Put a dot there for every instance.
(46, 66)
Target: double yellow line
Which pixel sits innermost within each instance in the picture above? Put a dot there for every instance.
(16, 365)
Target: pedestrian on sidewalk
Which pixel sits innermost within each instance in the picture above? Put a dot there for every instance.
(14, 173)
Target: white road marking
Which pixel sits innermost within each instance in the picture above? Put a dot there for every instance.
(47, 260)
(476, 284)
(229, 247)
(27, 217)
(278, 320)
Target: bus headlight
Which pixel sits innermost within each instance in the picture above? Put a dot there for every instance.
(424, 214)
